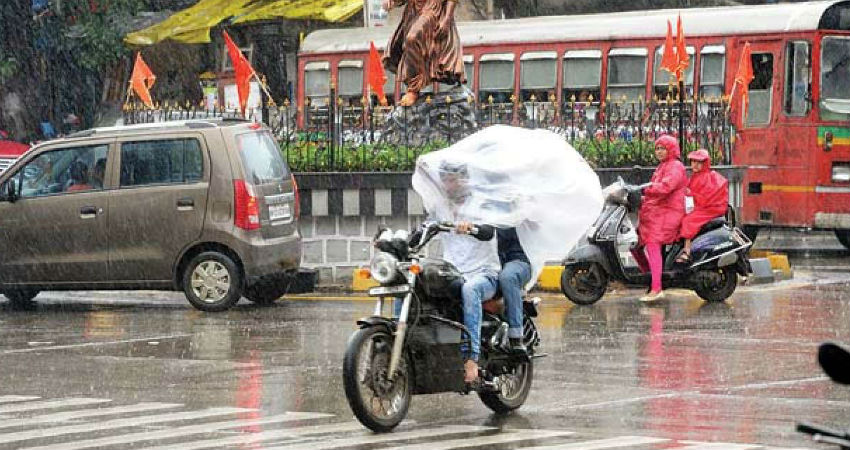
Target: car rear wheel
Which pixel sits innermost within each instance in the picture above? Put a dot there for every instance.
(21, 298)
(212, 282)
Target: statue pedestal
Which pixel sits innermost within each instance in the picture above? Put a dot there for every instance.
(446, 116)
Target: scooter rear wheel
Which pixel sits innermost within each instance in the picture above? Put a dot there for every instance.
(379, 403)
(715, 285)
(584, 283)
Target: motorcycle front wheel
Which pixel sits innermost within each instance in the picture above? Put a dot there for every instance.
(514, 391)
(584, 283)
(715, 285)
(379, 403)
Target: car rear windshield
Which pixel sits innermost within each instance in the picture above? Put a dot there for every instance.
(261, 158)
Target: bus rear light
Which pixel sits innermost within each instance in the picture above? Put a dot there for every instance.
(246, 206)
(841, 172)
(827, 141)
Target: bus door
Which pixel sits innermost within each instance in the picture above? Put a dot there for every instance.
(832, 151)
(796, 131)
(757, 143)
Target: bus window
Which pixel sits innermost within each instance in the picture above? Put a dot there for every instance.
(626, 74)
(496, 77)
(350, 82)
(317, 85)
(835, 71)
(664, 82)
(712, 67)
(761, 89)
(582, 72)
(797, 78)
(538, 73)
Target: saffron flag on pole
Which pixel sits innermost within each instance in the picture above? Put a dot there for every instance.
(243, 70)
(669, 62)
(743, 77)
(376, 75)
(142, 80)
(681, 51)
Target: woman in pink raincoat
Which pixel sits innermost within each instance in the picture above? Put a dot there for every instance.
(661, 211)
(710, 191)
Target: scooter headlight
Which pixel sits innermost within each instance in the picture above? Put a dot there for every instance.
(384, 267)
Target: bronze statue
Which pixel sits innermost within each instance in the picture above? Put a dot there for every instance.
(425, 47)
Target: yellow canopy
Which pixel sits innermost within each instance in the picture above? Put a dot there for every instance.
(192, 25)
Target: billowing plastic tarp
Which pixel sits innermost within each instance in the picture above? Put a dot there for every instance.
(514, 177)
(192, 25)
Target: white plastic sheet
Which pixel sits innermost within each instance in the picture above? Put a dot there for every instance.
(514, 177)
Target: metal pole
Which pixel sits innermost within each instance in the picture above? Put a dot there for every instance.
(682, 139)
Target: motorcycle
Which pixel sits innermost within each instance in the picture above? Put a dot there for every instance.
(718, 254)
(835, 362)
(388, 360)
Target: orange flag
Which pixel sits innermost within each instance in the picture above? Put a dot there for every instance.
(142, 80)
(681, 51)
(376, 76)
(243, 70)
(743, 77)
(668, 59)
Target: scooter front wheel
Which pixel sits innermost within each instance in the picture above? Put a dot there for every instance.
(379, 402)
(584, 283)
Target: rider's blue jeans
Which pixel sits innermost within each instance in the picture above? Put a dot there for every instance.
(476, 289)
(513, 278)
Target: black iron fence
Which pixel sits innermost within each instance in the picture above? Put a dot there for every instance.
(345, 136)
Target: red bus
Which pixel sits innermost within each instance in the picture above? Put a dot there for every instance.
(795, 142)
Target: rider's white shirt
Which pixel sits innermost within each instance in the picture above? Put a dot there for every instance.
(471, 256)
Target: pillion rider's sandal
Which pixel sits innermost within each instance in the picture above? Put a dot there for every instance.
(684, 258)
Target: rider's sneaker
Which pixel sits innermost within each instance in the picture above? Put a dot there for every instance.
(518, 348)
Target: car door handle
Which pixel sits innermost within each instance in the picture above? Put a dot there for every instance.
(89, 212)
(185, 204)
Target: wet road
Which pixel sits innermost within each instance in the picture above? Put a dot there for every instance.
(145, 370)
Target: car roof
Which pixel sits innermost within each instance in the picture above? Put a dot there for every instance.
(152, 128)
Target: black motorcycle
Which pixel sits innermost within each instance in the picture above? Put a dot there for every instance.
(835, 362)
(718, 254)
(388, 360)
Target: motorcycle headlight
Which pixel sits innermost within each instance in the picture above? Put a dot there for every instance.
(384, 267)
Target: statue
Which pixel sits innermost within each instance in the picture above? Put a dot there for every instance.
(425, 47)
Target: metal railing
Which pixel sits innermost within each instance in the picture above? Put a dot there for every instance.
(348, 137)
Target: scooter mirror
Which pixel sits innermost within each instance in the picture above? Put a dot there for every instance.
(835, 361)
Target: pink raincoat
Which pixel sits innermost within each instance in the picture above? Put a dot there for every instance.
(711, 196)
(664, 202)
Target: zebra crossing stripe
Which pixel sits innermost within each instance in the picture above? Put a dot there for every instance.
(252, 438)
(117, 423)
(493, 439)
(599, 444)
(181, 431)
(371, 438)
(86, 413)
(17, 398)
(715, 446)
(48, 404)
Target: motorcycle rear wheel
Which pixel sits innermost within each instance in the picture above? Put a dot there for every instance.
(715, 285)
(378, 403)
(584, 283)
(514, 392)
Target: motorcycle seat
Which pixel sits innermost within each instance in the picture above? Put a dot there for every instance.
(712, 224)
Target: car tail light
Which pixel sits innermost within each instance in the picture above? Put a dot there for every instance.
(297, 197)
(246, 206)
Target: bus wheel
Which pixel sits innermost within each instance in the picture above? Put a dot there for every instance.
(843, 237)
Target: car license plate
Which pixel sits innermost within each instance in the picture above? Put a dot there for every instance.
(280, 212)
(380, 291)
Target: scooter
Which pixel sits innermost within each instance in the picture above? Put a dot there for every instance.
(718, 254)
(835, 362)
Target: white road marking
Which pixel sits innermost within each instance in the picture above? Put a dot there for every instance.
(17, 398)
(493, 439)
(599, 444)
(369, 438)
(715, 446)
(252, 438)
(181, 431)
(48, 404)
(84, 413)
(92, 344)
(116, 423)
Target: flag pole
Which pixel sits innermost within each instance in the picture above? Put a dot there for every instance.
(264, 88)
